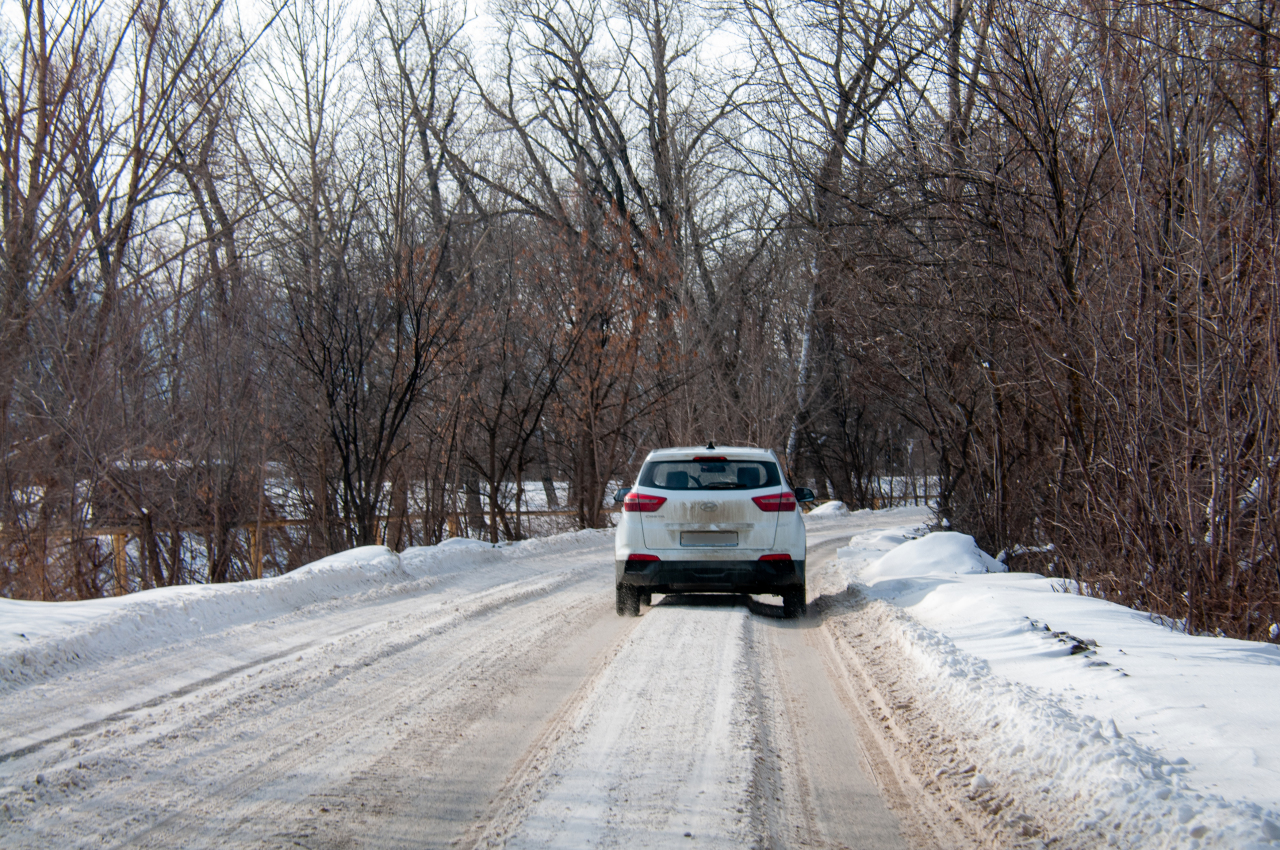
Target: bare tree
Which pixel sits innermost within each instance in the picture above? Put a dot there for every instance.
(832, 69)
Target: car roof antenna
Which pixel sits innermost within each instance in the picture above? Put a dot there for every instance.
(709, 445)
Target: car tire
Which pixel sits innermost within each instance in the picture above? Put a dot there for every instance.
(646, 598)
(793, 604)
(628, 601)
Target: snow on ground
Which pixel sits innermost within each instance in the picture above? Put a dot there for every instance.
(829, 509)
(639, 772)
(1085, 708)
(40, 639)
(1163, 739)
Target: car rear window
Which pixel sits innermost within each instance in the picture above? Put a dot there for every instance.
(701, 474)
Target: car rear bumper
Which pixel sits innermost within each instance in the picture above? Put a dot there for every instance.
(711, 576)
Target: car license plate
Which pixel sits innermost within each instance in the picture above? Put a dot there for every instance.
(708, 538)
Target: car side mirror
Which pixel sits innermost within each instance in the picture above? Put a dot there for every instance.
(804, 494)
(620, 495)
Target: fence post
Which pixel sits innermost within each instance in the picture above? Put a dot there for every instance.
(255, 550)
(117, 549)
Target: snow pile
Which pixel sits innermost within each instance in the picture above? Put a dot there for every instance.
(940, 553)
(458, 543)
(40, 639)
(830, 509)
(1101, 722)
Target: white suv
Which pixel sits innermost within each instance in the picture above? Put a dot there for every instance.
(710, 519)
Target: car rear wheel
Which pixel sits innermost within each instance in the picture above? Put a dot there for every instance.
(792, 604)
(646, 598)
(628, 601)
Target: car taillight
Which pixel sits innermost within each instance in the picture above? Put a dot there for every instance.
(644, 503)
(643, 558)
(775, 502)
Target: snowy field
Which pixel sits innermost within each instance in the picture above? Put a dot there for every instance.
(1058, 720)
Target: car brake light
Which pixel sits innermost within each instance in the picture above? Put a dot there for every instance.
(776, 502)
(638, 557)
(709, 457)
(644, 503)
(776, 557)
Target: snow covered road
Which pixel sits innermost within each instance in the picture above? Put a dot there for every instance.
(366, 707)
(490, 697)
(471, 696)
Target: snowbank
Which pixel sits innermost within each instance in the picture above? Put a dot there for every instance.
(940, 553)
(40, 639)
(1152, 737)
(830, 509)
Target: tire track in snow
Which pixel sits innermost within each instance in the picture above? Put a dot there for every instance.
(476, 605)
(237, 763)
(126, 713)
(154, 661)
(661, 748)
